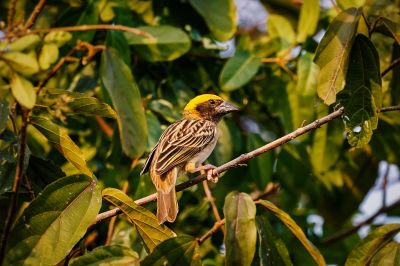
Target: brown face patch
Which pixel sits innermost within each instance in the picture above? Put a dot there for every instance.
(208, 111)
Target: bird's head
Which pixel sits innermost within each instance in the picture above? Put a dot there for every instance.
(208, 106)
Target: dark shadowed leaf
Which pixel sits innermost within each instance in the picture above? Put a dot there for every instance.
(241, 232)
(388, 27)
(387, 255)
(168, 43)
(362, 96)
(90, 15)
(181, 250)
(125, 95)
(271, 249)
(295, 229)
(238, 70)
(146, 223)
(333, 52)
(364, 251)
(108, 255)
(58, 137)
(4, 109)
(309, 15)
(23, 91)
(54, 222)
(220, 16)
(73, 103)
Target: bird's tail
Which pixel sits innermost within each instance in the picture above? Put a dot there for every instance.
(167, 206)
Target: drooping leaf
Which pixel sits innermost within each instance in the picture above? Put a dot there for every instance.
(4, 110)
(388, 27)
(333, 52)
(309, 15)
(54, 222)
(73, 103)
(58, 137)
(48, 55)
(241, 232)
(362, 96)
(387, 255)
(108, 255)
(220, 16)
(238, 70)
(24, 63)
(271, 249)
(166, 44)
(121, 86)
(146, 222)
(365, 250)
(295, 229)
(23, 91)
(180, 250)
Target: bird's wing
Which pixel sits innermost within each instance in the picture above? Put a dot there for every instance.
(182, 141)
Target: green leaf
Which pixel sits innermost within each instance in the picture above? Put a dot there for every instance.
(24, 43)
(121, 86)
(108, 255)
(59, 139)
(271, 249)
(388, 255)
(88, 16)
(181, 250)
(309, 15)
(388, 27)
(333, 52)
(238, 70)
(4, 110)
(59, 38)
(307, 74)
(295, 229)
(219, 15)
(54, 222)
(364, 251)
(23, 91)
(23, 63)
(241, 232)
(281, 31)
(362, 96)
(73, 103)
(146, 222)
(48, 55)
(168, 43)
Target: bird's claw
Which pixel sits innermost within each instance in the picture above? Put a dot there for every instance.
(211, 175)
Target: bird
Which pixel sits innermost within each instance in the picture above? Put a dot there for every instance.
(183, 147)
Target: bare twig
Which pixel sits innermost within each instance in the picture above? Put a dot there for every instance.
(211, 200)
(390, 108)
(391, 66)
(34, 15)
(16, 184)
(10, 16)
(212, 231)
(354, 229)
(104, 127)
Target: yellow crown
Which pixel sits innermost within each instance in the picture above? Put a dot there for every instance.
(200, 99)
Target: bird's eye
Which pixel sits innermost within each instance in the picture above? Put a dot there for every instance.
(212, 102)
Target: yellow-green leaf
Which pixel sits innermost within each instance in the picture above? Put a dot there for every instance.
(58, 37)
(23, 63)
(295, 229)
(108, 255)
(48, 55)
(145, 221)
(23, 91)
(23, 43)
(58, 137)
(309, 15)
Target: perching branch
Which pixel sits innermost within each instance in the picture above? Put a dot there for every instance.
(354, 229)
(34, 15)
(235, 162)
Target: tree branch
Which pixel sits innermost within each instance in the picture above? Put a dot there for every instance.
(354, 229)
(235, 162)
(391, 66)
(34, 15)
(16, 184)
(390, 108)
(10, 16)
(211, 200)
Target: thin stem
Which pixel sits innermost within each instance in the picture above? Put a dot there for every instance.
(104, 126)
(391, 66)
(384, 184)
(16, 184)
(35, 13)
(10, 16)
(212, 231)
(211, 200)
(354, 229)
(390, 108)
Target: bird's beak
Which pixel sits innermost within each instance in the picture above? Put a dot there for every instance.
(226, 107)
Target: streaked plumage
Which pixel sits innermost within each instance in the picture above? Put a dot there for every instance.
(183, 147)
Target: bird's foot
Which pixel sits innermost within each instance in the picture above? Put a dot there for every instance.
(211, 175)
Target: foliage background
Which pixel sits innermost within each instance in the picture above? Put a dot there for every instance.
(94, 102)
